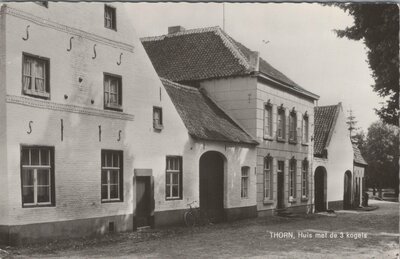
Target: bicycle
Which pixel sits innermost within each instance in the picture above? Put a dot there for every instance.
(194, 216)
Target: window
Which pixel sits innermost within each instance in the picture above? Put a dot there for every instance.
(268, 121)
(245, 182)
(112, 92)
(110, 19)
(305, 128)
(281, 124)
(173, 186)
(304, 179)
(292, 178)
(292, 127)
(37, 176)
(157, 118)
(268, 177)
(111, 176)
(35, 76)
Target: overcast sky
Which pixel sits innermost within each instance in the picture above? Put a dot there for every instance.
(302, 44)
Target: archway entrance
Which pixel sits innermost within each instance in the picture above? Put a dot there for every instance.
(320, 189)
(212, 185)
(347, 190)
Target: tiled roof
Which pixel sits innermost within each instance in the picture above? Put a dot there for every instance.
(324, 122)
(203, 118)
(206, 53)
(358, 158)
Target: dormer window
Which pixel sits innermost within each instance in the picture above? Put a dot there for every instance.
(110, 17)
(112, 92)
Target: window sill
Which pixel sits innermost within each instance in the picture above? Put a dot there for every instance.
(268, 138)
(268, 202)
(305, 144)
(113, 107)
(110, 201)
(37, 94)
(158, 127)
(304, 199)
(294, 142)
(281, 140)
(173, 199)
(38, 206)
(293, 201)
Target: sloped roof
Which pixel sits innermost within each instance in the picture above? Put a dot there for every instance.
(358, 158)
(202, 117)
(206, 53)
(324, 122)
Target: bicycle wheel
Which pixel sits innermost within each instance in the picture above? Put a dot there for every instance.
(190, 219)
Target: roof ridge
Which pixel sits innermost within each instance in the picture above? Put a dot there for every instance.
(185, 32)
(227, 40)
(174, 84)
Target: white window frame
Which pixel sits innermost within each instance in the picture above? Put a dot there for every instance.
(244, 184)
(292, 127)
(292, 178)
(173, 168)
(268, 178)
(108, 78)
(267, 121)
(35, 169)
(157, 124)
(304, 179)
(306, 129)
(110, 17)
(32, 90)
(109, 169)
(281, 127)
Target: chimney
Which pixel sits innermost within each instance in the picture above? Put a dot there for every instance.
(175, 29)
(254, 60)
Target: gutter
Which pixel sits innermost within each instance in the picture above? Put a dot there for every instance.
(287, 87)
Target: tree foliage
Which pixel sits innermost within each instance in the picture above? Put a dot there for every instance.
(378, 26)
(381, 151)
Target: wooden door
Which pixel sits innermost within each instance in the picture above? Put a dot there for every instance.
(143, 201)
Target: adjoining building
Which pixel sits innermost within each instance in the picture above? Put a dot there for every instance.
(92, 141)
(271, 107)
(359, 168)
(333, 159)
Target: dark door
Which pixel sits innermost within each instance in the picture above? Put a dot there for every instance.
(212, 186)
(280, 193)
(319, 180)
(143, 201)
(347, 190)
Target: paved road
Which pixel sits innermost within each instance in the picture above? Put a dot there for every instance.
(351, 234)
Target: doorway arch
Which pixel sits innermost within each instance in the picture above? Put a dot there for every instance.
(320, 189)
(347, 190)
(212, 167)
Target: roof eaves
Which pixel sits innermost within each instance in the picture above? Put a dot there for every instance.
(286, 86)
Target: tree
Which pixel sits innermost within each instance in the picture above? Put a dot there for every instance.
(378, 26)
(351, 122)
(381, 151)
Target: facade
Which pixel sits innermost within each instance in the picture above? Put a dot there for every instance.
(90, 140)
(359, 176)
(271, 107)
(333, 159)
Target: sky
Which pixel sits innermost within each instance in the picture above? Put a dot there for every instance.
(302, 44)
